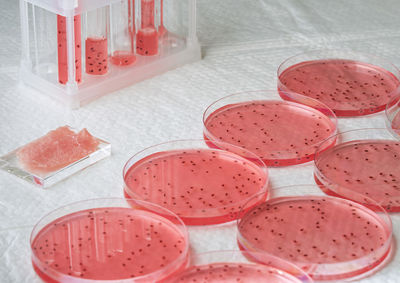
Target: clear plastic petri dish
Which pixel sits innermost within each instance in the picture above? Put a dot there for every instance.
(330, 238)
(350, 83)
(393, 116)
(364, 161)
(200, 184)
(280, 132)
(109, 240)
(234, 266)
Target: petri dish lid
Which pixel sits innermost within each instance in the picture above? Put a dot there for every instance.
(200, 184)
(350, 83)
(280, 132)
(109, 240)
(364, 161)
(234, 266)
(330, 238)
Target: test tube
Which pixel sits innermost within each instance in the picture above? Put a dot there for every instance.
(62, 49)
(97, 24)
(147, 36)
(161, 29)
(122, 32)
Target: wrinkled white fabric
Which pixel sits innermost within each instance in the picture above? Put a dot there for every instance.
(243, 41)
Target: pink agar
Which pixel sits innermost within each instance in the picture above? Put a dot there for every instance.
(123, 58)
(96, 56)
(349, 88)
(367, 167)
(147, 42)
(56, 150)
(107, 244)
(62, 49)
(325, 236)
(280, 133)
(201, 186)
(147, 36)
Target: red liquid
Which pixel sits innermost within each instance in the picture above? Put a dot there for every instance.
(349, 88)
(279, 133)
(96, 56)
(62, 49)
(201, 186)
(235, 272)
(123, 58)
(147, 36)
(369, 167)
(107, 244)
(329, 238)
(147, 42)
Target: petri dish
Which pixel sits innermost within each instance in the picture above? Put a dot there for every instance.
(364, 161)
(350, 83)
(201, 185)
(280, 132)
(109, 240)
(233, 266)
(393, 116)
(330, 238)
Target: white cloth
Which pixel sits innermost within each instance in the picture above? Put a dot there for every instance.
(244, 41)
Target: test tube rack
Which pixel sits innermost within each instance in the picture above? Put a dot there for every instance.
(78, 50)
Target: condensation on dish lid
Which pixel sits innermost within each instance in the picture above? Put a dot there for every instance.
(330, 238)
(350, 83)
(55, 156)
(363, 162)
(393, 116)
(201, 185)
(112, 240)
(281, 133)
(234, 266)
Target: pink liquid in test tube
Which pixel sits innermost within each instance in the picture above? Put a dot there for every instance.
(62, 49)
(123, 30)
(147, 36)
(96, 56)
(96, 44)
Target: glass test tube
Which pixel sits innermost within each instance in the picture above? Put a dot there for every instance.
(123, 32)
(97, 23)
(161, 29)
(147, 36)
(62, 49)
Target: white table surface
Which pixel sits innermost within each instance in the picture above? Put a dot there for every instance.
(243, 41)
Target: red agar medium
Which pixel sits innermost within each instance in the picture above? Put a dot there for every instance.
(348, 87)
(147, 36)
(62, 49)
(123, 58)
(201, 185)
(329, 238)
(147, 42)
(109, 243)
(56, 149)
(232, 266)
(281, 133)
(367, 166)
(96, 56)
